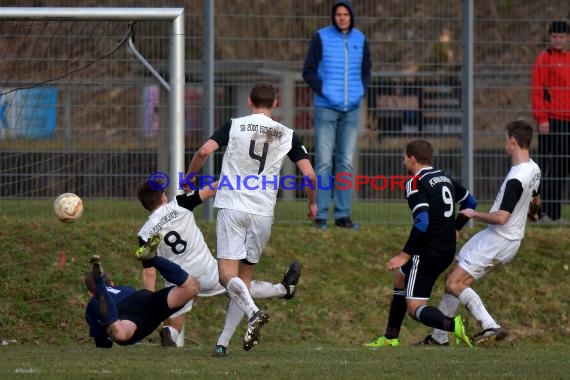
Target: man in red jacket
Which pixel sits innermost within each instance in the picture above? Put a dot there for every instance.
(551, 109)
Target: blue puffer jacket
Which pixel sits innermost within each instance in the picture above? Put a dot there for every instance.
(337, 66)
(340, 69)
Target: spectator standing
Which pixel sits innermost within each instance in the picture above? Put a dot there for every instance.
(337, 69)
(551, 109)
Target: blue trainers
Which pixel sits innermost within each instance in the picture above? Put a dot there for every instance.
(220, 351)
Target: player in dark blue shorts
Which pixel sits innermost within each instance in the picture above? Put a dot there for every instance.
(124, 315)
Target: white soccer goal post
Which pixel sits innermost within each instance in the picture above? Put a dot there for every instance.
(43, 63)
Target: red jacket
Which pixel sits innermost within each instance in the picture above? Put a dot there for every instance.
(551, 86)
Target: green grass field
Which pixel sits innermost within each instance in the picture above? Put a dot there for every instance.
(297, 361)
(342, 301)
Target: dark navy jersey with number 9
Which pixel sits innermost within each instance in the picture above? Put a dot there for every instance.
(435, 192)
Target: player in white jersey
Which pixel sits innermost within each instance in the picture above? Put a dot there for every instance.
(256, 146)
(499, 242)
(183, 243)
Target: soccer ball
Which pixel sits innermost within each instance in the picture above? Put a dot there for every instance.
(68, 207)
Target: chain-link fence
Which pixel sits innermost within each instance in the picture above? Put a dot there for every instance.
(418, 89)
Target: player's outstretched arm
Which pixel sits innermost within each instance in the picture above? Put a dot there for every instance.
(496, 217)
(199, 159)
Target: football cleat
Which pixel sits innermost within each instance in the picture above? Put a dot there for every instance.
(461, 333)
(166, 337)
(97, 266)
(220, 351)
(148, 251)
(430, 341)
(383, 342)
(102, 307)
(490, 335)
(291, 279)
(252, 333)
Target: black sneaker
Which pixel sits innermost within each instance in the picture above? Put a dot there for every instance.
(166, 338)
(252, 334)
(321, 224)
(97, 266)
(490, 335)
(430, 341)
(291, 279)
(220, 351)
(346, 223)
(102, 307)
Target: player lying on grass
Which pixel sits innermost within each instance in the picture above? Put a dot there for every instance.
(183, 243)
(124, 315)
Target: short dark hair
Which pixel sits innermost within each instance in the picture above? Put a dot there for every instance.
(149, 193)
(559, 27)
(522, 132)
(263, 95)
(421, 149)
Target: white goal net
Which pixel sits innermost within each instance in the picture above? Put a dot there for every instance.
(91, 102)
(86, 104)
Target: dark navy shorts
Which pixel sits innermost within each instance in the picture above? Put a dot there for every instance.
(147, 310)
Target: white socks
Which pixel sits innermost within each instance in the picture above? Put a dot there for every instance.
(473, 303)
(263, 289)
(233, 317)
(240, 294)
(448, 306)
(241, 302)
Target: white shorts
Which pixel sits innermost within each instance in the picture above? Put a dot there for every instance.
(241, 235)
(485, 251)
(209, 286)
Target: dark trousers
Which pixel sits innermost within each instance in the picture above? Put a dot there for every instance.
(554, 152)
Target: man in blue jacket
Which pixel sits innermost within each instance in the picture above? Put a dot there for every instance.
(337, 68)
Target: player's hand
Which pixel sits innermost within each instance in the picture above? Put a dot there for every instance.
(397, 262)
(468, 212)
(534, 212)
(187, 188)
(312, 211)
